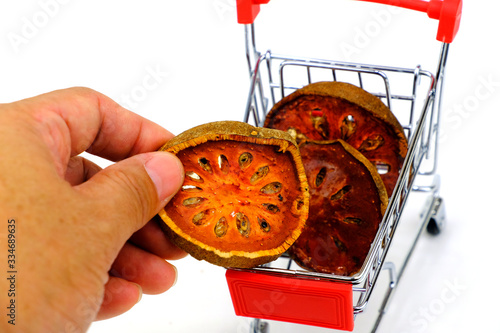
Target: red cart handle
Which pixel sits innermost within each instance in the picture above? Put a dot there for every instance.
(448, 12)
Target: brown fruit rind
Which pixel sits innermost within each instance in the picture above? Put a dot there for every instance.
(353, 115)
(384, 200)
(239, 132)
(349, 93)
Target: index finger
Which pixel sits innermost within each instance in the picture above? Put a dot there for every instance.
(96, 124)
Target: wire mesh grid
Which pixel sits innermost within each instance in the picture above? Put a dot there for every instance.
(412, 94)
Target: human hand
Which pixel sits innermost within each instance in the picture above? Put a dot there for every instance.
(84, 247)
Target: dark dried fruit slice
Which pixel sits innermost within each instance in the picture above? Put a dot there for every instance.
(245, 198)
(338, 110)
(348, 199)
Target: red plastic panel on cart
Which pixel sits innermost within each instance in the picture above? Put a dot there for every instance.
(247, 10)
(292, 299)
(448, 12)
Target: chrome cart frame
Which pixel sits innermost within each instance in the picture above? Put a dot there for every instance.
(414, 96)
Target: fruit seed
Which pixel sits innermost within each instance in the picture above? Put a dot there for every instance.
(259, 174)
(205, 164)
(340, 193)
(243, 224)
(348, 127)
(194, 176)
(193, 201)
(221, 226)
(271, 188)
(264, 224)
(245, 160)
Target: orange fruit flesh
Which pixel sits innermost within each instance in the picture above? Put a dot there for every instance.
(232, 202)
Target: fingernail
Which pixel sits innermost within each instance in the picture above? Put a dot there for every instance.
(176, 272)
(166, 172)
(140, 292)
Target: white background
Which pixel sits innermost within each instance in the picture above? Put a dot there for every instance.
(196, 50)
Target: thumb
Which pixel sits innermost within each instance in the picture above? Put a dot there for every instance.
(135, 189)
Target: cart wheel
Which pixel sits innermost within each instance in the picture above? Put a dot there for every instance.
(433, 228)
(436, 217)
(259, 326)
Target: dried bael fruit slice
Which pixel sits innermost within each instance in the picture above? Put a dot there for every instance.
(338, 110)
(348, 199)
(245, 198)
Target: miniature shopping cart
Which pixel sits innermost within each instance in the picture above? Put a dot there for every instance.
(281, 290)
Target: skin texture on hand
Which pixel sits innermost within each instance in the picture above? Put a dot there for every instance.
(86, 244)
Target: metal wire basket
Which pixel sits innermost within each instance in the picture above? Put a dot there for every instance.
(414, 96)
